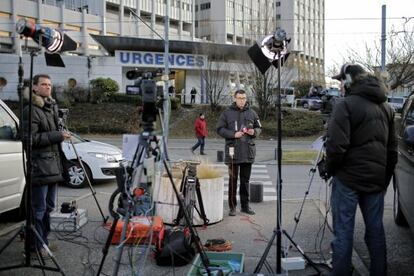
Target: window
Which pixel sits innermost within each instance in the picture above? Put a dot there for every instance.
(205, 6)
(277, 4)
(8, 127)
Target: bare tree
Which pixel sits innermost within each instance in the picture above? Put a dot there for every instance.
(261, 87)
(215, 76)
(400, 58)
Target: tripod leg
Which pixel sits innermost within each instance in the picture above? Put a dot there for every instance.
(122, 241)
(11, 240)
(266, 252)
(107, 244)
(58, 268)
(93, 191)
(302, 252)
(200, 203)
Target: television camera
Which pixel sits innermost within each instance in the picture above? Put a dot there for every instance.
(146, 87)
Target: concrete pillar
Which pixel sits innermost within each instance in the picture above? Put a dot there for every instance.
(85, 34)
(121, 18)
(15, 35)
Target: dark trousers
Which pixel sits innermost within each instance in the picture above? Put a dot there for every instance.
(245, 170)
(192, 99)
(200, 142)
(344, 202)
(43, 203)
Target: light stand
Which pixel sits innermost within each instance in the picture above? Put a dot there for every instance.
(54, 41)
(29, 228)
(273, 49)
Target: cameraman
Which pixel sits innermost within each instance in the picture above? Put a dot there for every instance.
(361, 153)
(47, 156)
(239, 125)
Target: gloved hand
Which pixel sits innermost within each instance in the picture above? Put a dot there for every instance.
(323, 173)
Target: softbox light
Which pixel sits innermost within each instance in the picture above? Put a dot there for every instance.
(267, 52)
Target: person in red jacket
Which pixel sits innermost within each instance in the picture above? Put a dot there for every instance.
(200, 127)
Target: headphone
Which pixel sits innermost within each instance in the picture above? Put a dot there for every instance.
(348, 78)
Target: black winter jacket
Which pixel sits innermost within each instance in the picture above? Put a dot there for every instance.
(47, 155)
(232, 120)
(361, 143)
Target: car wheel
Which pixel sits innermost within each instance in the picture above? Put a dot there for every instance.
(77, 176)
(399, 217)
(305, 105)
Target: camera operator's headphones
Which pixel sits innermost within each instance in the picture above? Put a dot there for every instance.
(347, 76)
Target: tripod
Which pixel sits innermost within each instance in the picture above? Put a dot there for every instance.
(29, 229)
(142, 151)
(62, 126)
(190, 187)
(278, 231)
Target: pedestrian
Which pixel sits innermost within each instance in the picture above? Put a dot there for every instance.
(193, 94)
(200, 127)
(47, 158)
(361, 150)
(239, 125)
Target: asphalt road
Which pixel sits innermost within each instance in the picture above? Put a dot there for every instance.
(297, 183)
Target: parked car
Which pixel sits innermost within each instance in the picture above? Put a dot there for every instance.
(99, 160)
(396, 103)
(403, 179)
(12, 180)
(311, 103)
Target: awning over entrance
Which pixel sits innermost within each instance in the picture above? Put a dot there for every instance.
(230, 52)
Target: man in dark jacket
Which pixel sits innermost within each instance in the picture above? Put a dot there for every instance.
(239, 125)
(361, 153)
(47, 155)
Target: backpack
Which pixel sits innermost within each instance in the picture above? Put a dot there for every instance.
(175, 247)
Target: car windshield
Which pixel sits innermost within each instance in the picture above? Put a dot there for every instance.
(333, 92)
(76, 139)
(396, 100)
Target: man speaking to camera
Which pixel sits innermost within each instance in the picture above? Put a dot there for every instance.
(239, 125)
(361, 153)
(47, 155)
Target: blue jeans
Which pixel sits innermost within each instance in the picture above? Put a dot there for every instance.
(344, 202)
(200, 142)
(43, 203)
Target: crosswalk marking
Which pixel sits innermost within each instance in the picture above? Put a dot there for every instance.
(259, 174)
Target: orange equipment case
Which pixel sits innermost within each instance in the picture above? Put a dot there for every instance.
(139, 229)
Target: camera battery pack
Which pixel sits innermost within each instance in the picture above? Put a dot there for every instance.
(68, 222)
(139, 230)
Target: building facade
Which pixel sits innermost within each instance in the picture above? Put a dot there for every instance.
(231, 22)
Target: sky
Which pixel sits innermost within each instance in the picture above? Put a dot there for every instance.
(356, 23)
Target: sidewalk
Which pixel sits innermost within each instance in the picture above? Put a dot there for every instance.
(80, 252)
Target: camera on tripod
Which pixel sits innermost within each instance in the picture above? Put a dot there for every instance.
(146, 87)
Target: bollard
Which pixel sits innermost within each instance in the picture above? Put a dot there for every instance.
(220, 156)
(256, 192)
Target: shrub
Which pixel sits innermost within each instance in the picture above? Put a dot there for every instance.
(102, 89)
(80, 94)
(175, 104)
(62, 96)
(124, 98)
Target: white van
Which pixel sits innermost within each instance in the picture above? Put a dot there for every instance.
(12, 180)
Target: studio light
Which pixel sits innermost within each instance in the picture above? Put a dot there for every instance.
(54, 41)
(267, 52)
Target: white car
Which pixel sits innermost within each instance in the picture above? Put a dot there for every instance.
(99, 160)
(12, 180)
